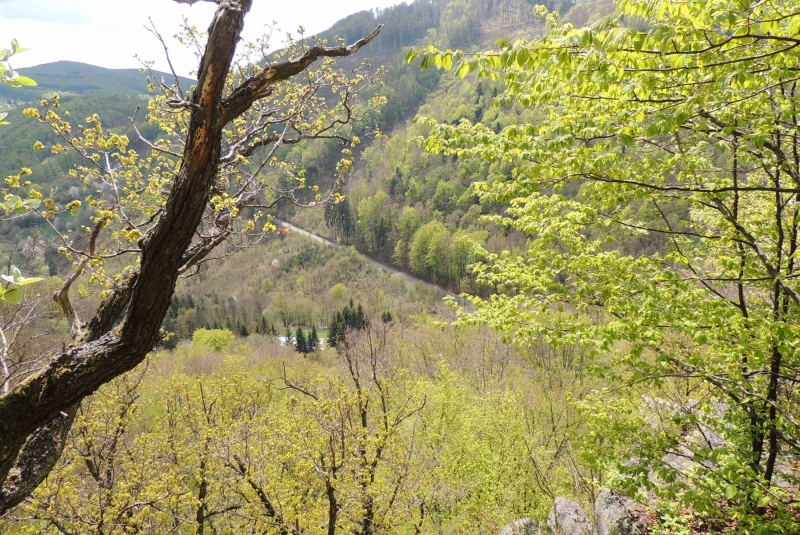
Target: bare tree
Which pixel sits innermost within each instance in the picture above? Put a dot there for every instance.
(179, 234)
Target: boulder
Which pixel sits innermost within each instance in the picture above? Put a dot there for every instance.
(523, 526)
(567, 518)
(618, 515)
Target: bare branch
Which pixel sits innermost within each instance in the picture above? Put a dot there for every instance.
(261, 85)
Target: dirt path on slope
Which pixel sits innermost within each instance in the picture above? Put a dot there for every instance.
(385, 267)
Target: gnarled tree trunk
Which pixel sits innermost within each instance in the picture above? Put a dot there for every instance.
(37, 413)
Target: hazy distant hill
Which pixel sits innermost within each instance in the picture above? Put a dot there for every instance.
(82, 79)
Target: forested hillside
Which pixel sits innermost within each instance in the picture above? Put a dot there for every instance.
(395, 188)
(613, 189)
(67, 77)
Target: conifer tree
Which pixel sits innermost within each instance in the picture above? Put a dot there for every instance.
(313, 340)
(300, 343)
(333, 330)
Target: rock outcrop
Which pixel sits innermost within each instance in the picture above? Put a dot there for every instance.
(614, 515)
(618, 515)
(567, 518)
(523, 526)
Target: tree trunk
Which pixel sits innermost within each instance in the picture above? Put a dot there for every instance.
(36, 414)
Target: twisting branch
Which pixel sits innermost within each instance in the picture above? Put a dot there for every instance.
(260, 85)
(62, 296)
(37, 412)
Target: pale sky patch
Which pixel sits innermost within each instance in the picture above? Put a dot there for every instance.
(109, 33)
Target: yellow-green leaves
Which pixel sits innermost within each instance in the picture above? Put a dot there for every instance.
(11, 293)
(7, 74)
(675, 135)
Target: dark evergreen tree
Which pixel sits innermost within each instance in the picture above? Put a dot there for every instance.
(333, 331)
(347, 316)
(300, 343)
(396, 187)
(350, 318)
(313, 340)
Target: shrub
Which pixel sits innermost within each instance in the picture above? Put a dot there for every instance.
(214, 339)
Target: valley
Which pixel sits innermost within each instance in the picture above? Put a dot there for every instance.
(463, 267)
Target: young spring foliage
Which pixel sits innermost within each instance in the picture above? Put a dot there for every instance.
(8, 75)
(362, 447)
(165, 210)
(685, 129)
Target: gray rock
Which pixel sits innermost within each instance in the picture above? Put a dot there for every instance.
(523, 526)
(567, 518)
(618, 515)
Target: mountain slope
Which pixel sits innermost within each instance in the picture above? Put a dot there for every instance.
(83, 79)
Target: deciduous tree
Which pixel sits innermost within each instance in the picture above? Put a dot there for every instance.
(687, 129)
(168, 211)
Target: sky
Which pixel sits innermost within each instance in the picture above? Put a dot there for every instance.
(109, 33)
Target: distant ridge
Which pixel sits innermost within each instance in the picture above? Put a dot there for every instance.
(83, 79)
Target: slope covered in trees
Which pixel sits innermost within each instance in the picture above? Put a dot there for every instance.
(69, 77)
(621, 202)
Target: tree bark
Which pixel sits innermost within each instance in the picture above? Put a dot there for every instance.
(36, 414)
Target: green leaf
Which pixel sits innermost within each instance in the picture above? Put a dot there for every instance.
(31, 280)
(730, 492)
(700, 338)
(24, 80)
(638, 41)
(425, 63)
(522, 57)
(17, 279)
(763, 501)
(13, 296)
(447, 62)
(626, 139)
